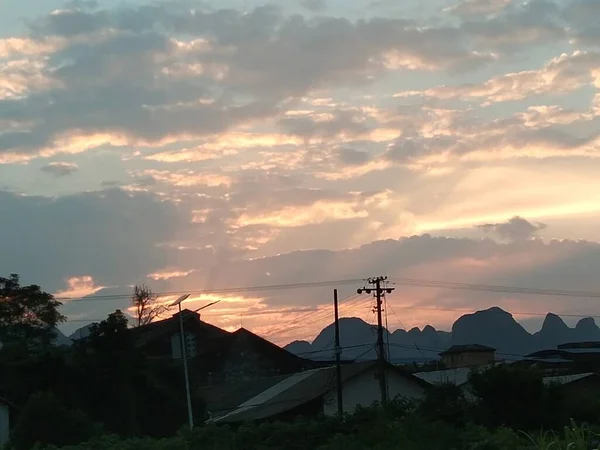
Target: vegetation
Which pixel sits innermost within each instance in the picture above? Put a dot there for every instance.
(146, 305)
(370, 428)
(27, 314)
(102, 394)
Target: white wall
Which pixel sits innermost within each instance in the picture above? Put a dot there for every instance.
(4, 424)
(363, 390)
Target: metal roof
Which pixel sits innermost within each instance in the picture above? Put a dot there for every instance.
(299, 389)
(458, 376)
(566, 379)
(455, 376)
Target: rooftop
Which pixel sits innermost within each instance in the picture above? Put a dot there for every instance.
(566, 379)
(160, 328)
(296, 390)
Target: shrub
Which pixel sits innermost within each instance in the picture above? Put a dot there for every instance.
(45, 420)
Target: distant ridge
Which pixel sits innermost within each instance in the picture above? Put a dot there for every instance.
(493, 327)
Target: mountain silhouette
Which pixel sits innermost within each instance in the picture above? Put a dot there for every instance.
(493, 327)
(358, 340)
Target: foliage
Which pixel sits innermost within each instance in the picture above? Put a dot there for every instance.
(515, 397)
(146, 304)
(27, 314)
(324, 433)
(45, 420)
(445, 402)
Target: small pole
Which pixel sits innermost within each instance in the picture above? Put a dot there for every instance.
(185, 370)
(338, 355)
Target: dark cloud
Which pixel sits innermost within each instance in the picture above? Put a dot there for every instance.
(407, 149)
(479, 7)
(122, 73)
(519, 25)
(314, 5)
(352, 123)
(581, 15)
(60, 169)
(516, 229)
(110, 235)
(352, 156)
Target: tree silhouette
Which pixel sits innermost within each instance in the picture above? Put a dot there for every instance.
(146, 304)
(27, 314)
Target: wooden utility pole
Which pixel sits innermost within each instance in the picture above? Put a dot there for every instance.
(379, 294)
(338, 356)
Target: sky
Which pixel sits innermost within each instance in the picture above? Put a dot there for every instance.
(200, 145)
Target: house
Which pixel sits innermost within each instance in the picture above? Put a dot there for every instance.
(577, 387)
(215, 355)
(6, 408)
(458, 377)
(161, 339)
(314, 391)
(569, 357)
(244, 356)
(472, 355)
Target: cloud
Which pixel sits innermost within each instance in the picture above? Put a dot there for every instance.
(314, 5)
(227, 69)
(516, 229)
(352, 156)
(60, 169)
(529, 263)
(479, 7)
(111, 236)
(79, 287)
(563, 74)
(520, 24)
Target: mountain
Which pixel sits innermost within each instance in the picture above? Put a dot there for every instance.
(359, 338)
(60, 339)
(493, 327)
(554, 331)
(81, 332)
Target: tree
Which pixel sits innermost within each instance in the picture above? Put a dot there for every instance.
(146, 304)
(27, 314)
(110, 335)
(516, 397)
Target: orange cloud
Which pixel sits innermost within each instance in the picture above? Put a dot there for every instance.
(79, 287)
(294, 216)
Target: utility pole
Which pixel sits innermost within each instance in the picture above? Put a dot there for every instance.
(188, 396)
(379, 294)
(338, 356)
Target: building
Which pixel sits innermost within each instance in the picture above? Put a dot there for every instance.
(161, 339)
(5, 411)
(215, 355)
(244, 356)
(458, 377)
(569, 357)
(472, 355)
(577, 387)
(314, 391)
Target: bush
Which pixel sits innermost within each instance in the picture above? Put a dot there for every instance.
(45, 420)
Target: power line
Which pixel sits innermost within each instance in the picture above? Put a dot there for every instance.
(495, 288)
(300, 322)
(224, 290)
(470, 311)
(400, 281)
